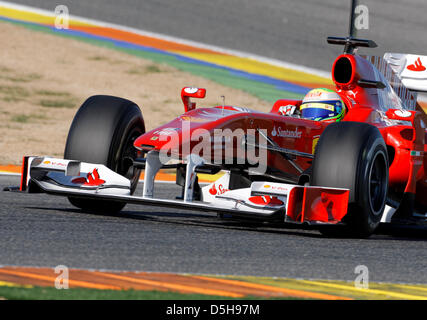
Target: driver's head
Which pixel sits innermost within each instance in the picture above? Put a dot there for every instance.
(322, 105)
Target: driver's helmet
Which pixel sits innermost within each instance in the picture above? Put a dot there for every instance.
(322, 105)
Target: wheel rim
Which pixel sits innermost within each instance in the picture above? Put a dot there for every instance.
(377, 184)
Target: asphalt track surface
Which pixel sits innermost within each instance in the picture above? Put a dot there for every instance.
(44, 230)
(289, 30)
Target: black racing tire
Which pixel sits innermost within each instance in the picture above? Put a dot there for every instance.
(103, 132)
(353, 155)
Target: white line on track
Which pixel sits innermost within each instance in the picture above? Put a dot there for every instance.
(5, 173)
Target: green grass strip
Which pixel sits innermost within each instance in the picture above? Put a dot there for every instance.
(48, 293)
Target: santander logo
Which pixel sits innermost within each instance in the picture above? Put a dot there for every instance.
(286, 133)
(417, 66)
(214, 191)
(92, 179)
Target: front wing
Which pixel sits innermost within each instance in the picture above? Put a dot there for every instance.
(262, 200)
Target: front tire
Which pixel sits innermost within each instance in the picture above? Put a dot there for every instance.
(353, 155)
(103, 132)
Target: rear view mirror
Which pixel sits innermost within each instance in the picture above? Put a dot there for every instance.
(191, 92)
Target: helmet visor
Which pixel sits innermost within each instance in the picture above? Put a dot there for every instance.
(321, 111)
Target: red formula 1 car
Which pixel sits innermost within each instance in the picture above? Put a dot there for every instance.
(347, 176)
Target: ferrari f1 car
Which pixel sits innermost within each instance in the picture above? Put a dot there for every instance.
(346, 177)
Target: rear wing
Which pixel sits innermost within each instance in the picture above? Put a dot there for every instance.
(395, 94)
(411, 69)
(412, 72)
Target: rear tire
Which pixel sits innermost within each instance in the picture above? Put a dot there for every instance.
(103, 132)
(353, 155)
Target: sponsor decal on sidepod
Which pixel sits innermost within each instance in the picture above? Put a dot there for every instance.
(279, 132)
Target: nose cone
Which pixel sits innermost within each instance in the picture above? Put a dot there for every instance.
(188, 130)
(159, 138)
